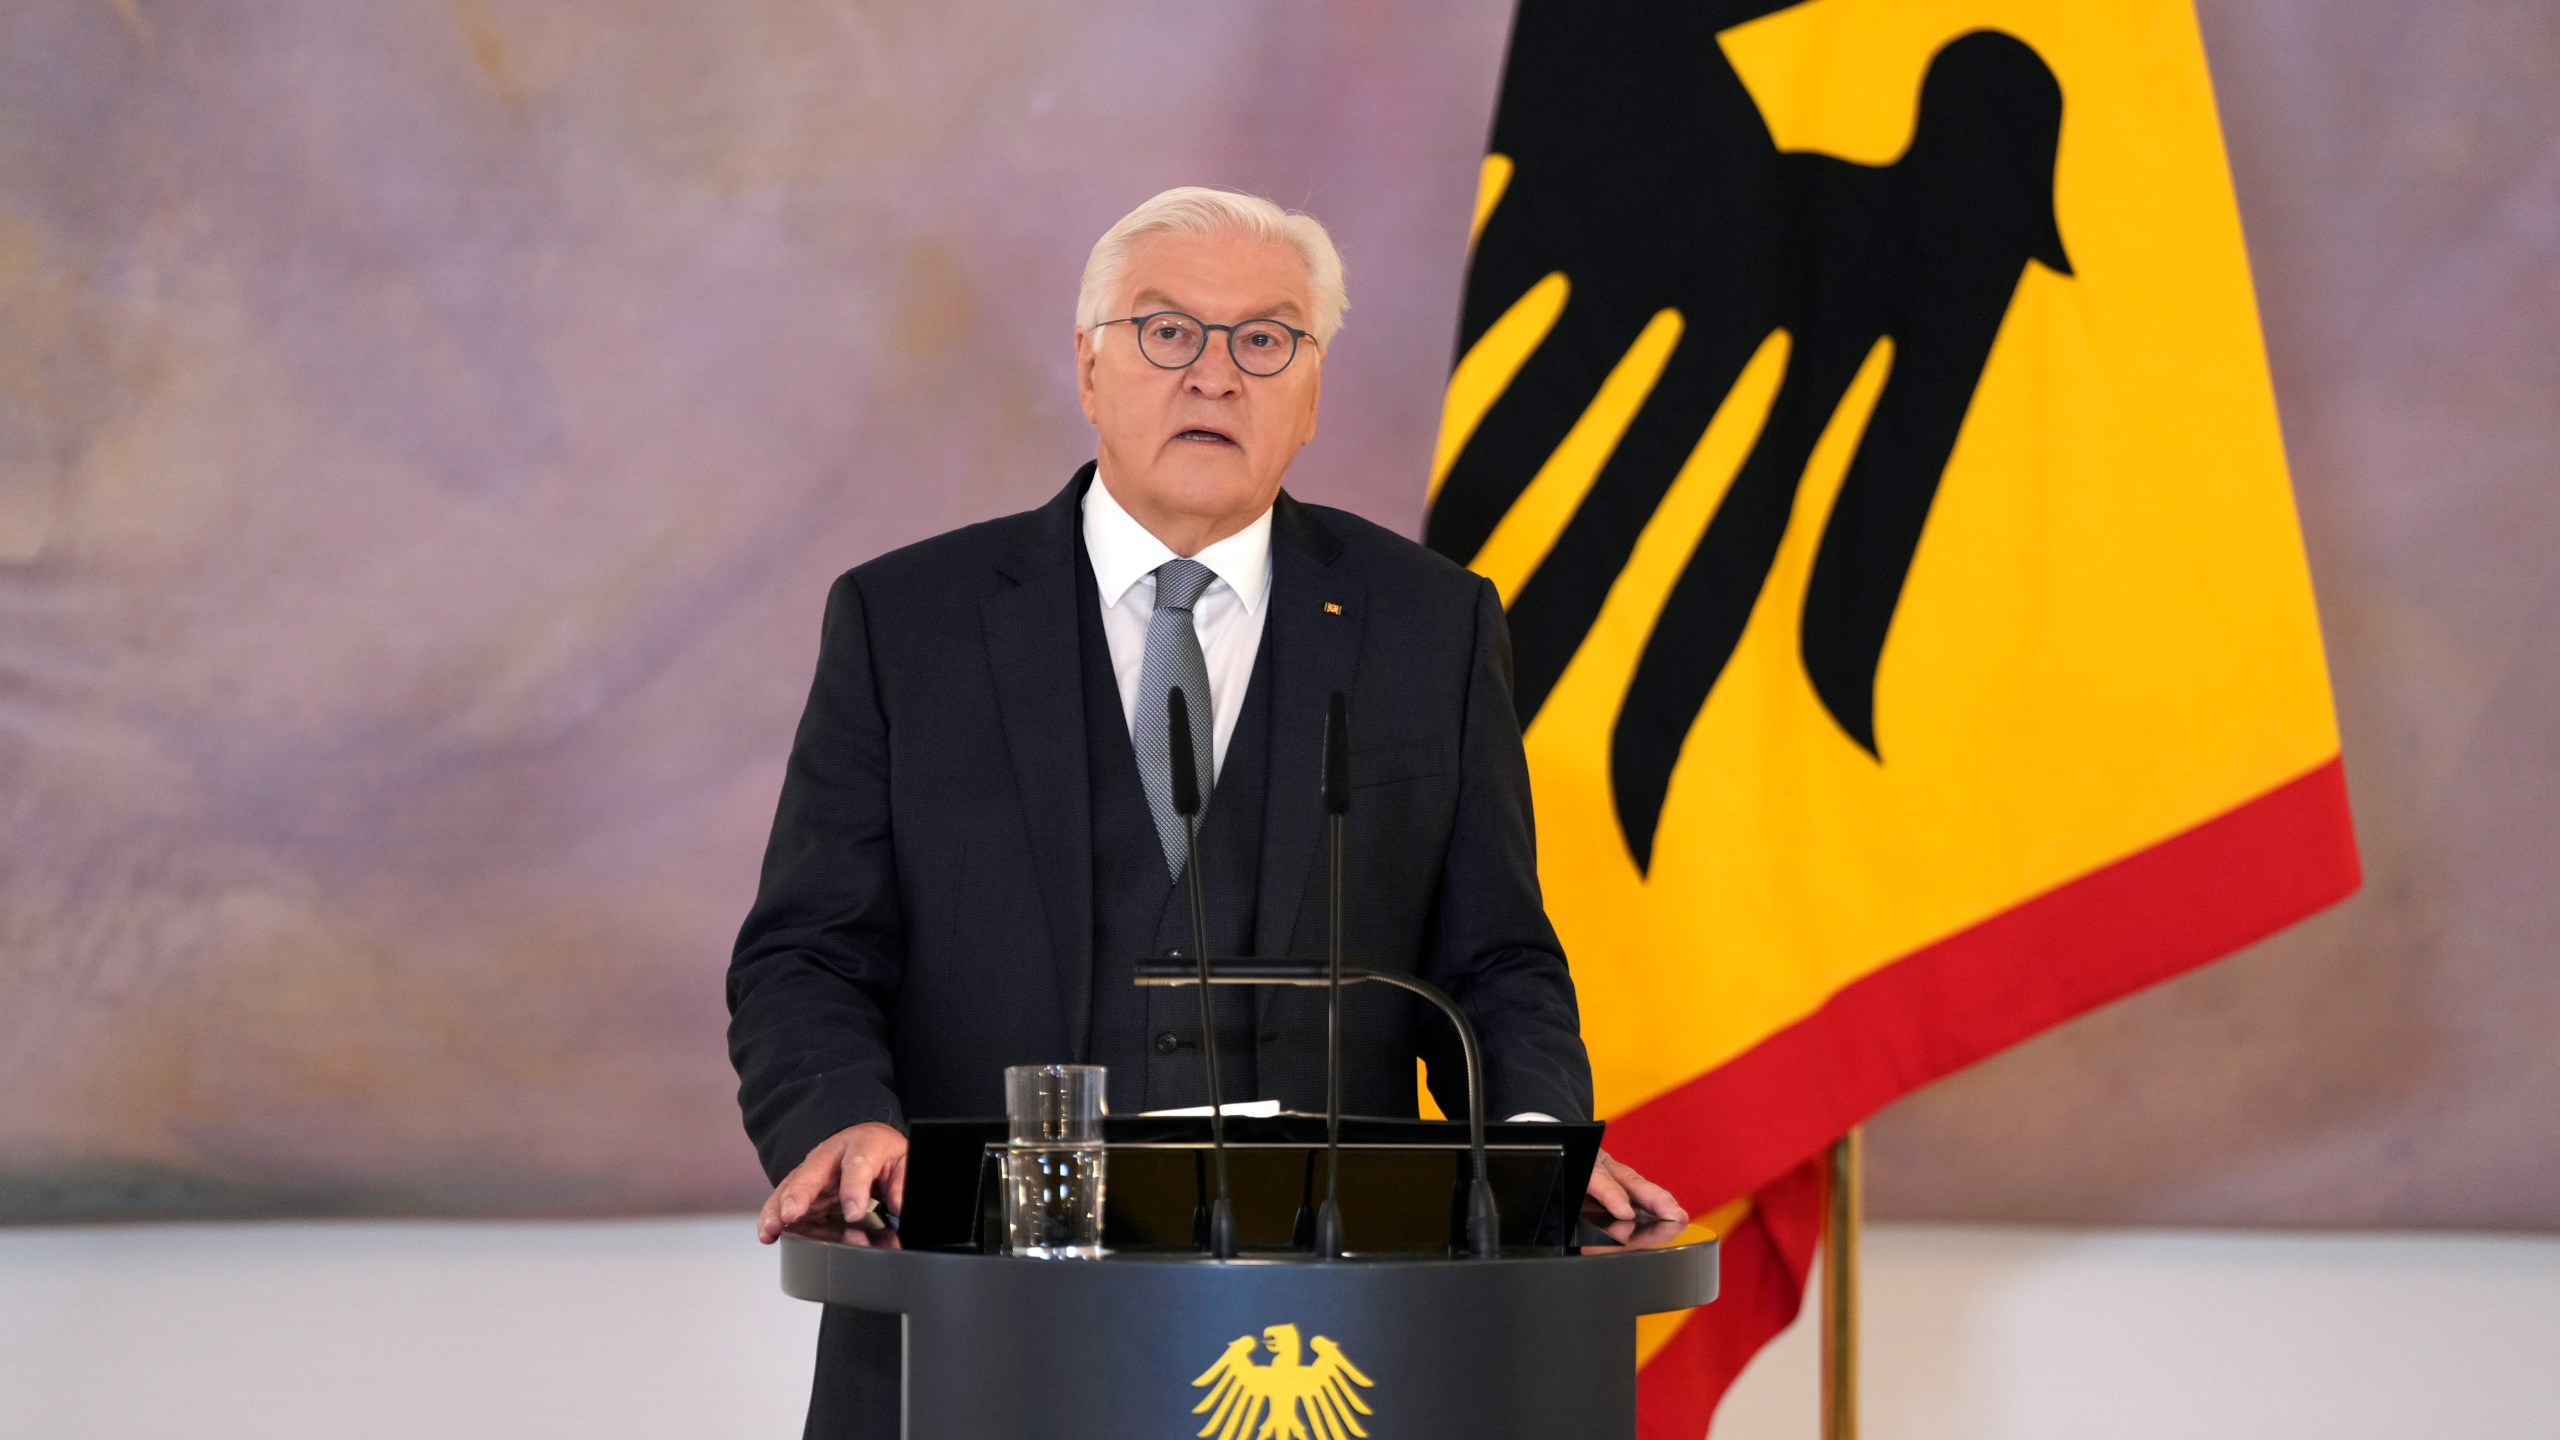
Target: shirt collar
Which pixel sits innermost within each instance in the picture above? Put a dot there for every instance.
(1125, 552)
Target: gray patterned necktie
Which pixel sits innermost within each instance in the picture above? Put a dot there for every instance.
(1173, 658)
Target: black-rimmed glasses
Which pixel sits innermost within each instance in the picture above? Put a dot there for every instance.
(1173, 340)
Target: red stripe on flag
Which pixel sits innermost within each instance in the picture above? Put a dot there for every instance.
(1764, 1263)
(2234, 879)
(1747, 1126)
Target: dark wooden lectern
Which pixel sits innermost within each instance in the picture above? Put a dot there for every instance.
(1540, 1341)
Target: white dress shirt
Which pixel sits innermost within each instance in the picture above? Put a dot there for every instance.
(1228, 617)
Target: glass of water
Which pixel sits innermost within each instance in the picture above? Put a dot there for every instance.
(1053, 1161)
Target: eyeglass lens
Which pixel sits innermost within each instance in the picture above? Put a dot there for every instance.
(1259, 347)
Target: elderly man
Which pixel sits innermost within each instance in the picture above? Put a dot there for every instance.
(976, 835)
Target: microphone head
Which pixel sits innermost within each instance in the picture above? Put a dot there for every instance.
(1337, 755)
(1177, 742)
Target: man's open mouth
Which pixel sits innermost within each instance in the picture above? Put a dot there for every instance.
(1206, 437)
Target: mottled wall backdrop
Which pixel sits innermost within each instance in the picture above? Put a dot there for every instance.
(427, 432)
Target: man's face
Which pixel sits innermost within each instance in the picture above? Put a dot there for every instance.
(1200, 449)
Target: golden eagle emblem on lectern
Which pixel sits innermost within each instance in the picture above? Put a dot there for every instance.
(1288, 1399)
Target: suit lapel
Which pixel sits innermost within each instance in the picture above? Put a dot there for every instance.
(1318, 609)
(1033, 649)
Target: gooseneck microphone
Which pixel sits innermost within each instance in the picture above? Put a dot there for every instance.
(1337, 805)
(1186, 803)
(1483, 1220)
(1483, 1223)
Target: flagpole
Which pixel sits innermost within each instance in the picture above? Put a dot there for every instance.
(1840, 1203)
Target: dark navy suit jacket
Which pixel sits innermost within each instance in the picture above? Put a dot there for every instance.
(925, 916)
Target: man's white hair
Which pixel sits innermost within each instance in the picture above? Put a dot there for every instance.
(1200, 210)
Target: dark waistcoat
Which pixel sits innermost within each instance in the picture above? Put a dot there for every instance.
(1150, 1039)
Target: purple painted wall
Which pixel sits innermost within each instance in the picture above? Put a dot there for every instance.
(427, 432)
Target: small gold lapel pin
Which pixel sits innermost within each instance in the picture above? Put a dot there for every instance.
(1331, 608)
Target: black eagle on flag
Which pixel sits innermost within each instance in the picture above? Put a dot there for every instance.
(1643, 171)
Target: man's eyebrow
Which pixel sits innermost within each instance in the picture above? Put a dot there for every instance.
(1277, 309)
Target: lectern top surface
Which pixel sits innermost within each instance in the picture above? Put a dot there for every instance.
(1624, 1237)
(1663, 1266)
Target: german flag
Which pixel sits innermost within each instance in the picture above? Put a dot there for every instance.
(1861, 409)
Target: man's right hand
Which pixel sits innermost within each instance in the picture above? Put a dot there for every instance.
(850, 1167)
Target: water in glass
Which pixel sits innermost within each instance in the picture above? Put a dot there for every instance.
(1053, 1201)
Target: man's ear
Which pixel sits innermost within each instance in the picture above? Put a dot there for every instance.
(1085, 356)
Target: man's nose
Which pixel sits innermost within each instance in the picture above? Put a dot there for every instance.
(1214, 375)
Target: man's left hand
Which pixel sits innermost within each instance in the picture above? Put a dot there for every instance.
(1620, 1193)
